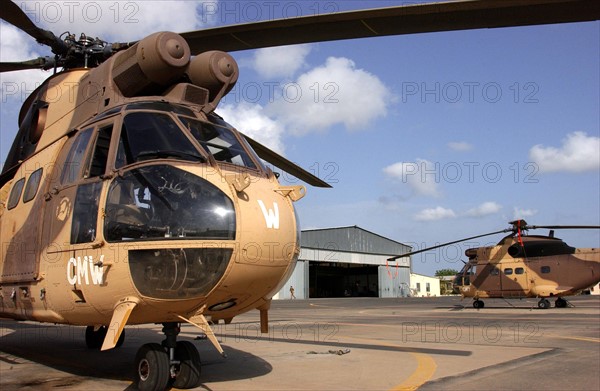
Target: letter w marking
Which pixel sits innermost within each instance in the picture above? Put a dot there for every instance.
(271, 215)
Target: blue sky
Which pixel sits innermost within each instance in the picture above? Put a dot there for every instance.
(426, 138)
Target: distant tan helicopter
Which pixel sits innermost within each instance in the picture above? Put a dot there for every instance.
(522, 266)
(125, 199)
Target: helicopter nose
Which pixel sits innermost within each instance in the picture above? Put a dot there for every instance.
(182, 225)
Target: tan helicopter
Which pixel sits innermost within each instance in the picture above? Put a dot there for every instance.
(522, 266)
(125, 199)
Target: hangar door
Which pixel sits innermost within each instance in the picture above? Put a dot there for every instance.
(337, 279)
(394, 281)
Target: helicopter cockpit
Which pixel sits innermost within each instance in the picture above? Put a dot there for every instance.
(150, 198)
(463, 277)
(159, 164)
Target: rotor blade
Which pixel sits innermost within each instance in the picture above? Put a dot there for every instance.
(447, 244)
(408, 19)
(38, 63)
(13, 14)
(563, 226)
(286, 165)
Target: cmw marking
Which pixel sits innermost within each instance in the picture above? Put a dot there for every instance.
(271, 215)
(78, 269)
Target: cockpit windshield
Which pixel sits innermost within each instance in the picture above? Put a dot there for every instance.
(151, 135)
(218, 141)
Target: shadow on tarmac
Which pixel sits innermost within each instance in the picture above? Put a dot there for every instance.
(63, 348)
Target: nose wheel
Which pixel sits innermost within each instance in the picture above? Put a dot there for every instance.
(478, 304)
(170, 364)
(543, 304)
(560, 303)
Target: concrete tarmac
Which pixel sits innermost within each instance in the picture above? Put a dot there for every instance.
(340, 344)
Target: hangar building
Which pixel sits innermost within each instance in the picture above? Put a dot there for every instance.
(348, 262)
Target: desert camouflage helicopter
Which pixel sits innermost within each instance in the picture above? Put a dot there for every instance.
(522, 266)
(125, 199)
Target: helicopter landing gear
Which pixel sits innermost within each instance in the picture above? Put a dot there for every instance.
(171, 364)
(478, 304)
(543, 304)
(560, 303)
(94, 337)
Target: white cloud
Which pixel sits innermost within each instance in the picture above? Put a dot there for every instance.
(334, 93)
(19, 83)
(487, 208)
(579, 152)
(251, 120)
(519, 213)
(460, 146)
(280, 62)
(415, 175)
(432, 214)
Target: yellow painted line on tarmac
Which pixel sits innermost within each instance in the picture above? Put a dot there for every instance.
(426, 367)
(586, 339)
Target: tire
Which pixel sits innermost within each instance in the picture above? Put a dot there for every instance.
(95, 339)
(188, 373)
(478, 304)
(560, 303)
(152, 368)
(543, 304)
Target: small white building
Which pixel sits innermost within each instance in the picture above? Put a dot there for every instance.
(424, 286)
(595, 290)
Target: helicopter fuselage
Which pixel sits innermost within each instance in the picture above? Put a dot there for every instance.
(532, 266)
(149, 201)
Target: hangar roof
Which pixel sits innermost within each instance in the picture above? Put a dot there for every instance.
(351, 239)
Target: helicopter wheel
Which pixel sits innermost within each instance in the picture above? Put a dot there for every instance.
(478, 304)
(560, 303)
(152, 368)
(543, 304)
(188, 370)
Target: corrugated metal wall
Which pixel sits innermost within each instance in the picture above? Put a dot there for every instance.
(394, 281)
(353, 242)
(299, 280)
(351, 239)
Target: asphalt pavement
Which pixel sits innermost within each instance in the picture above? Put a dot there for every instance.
(340, 344)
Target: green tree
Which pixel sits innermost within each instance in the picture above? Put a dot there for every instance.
(445, 284)
(445, 272)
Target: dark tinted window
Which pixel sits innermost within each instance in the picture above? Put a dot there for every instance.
(494, 272)
(218, 141)
(85, 213)
(519, 270)
(545, 269)
(15, 193)
(508, 271)
(164, 202)
(97, 163)
(148, 136)
(32, 185)
(76, 154)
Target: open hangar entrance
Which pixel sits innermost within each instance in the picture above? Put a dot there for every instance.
(333, 279)
(348, 262)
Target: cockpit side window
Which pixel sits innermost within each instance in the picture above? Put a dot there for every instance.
(96, 165)
(74, 160)
(218, 141)
(149, 136)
